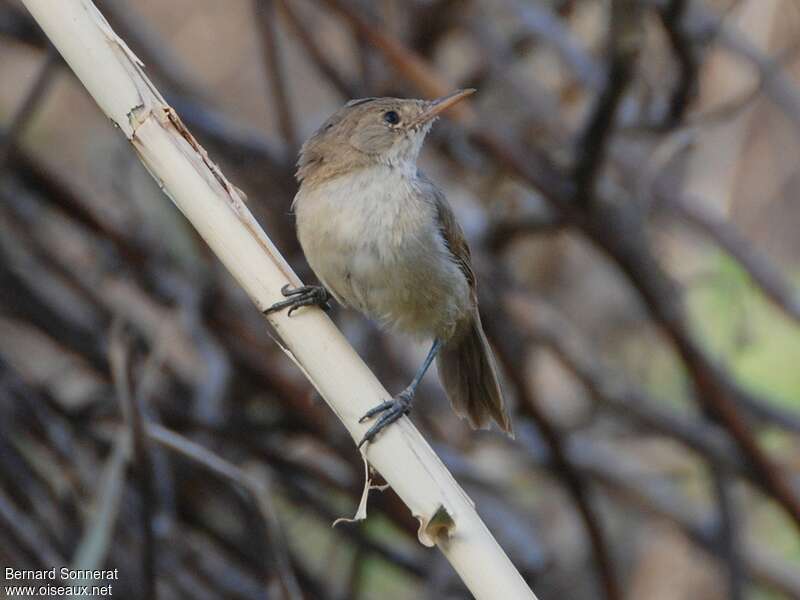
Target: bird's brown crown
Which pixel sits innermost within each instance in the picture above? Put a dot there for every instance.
(370, 131)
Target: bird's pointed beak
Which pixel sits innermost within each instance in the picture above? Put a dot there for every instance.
(435, 107)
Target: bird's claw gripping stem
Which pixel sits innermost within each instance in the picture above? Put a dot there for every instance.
(305, 295)
(390, 411)
(399, 405)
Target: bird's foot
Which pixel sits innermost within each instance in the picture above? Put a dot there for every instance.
(305, 295)
(389, 411)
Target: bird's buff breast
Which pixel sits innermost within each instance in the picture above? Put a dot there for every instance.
(374, 243)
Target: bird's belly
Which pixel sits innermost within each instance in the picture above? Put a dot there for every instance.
(407, 290)
(389, 264)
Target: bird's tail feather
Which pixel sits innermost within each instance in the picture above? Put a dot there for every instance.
(469, 376)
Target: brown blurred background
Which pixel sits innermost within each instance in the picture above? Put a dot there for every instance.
(628, 183)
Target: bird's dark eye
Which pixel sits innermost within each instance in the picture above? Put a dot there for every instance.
(391, 117)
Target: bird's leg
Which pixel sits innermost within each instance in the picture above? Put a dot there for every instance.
(305, 295)
(400, 405)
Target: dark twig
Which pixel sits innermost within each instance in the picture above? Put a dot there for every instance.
(29, 105)
(316, 54)
(728, 532)
(161, 60)
(502, 338)
(433, 20)
(715, 390)
(28, 532)
(545, 325)
(540, 21)
(606, 469)
(672, 17)
(726, 236)
(256, 488)
(266, 21)
(500, 235)
(623, 47)
(132, 410)
(367, 66)
(93, 549)
(17, 24)
(776, 83)
(355, 577)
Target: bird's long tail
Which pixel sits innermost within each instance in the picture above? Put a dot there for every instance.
(469, 376)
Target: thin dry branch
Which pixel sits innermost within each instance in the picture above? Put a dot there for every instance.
(257, 489)
(29, 105)
(723, 233)
(509, 354)
(315, 53)
(132, 411)
(673, 17)
(624, 32)
(266, 22)
(544, 324)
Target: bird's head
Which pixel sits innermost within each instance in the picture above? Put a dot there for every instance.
(371, 131)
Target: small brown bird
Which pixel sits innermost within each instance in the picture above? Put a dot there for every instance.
(382, 239)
